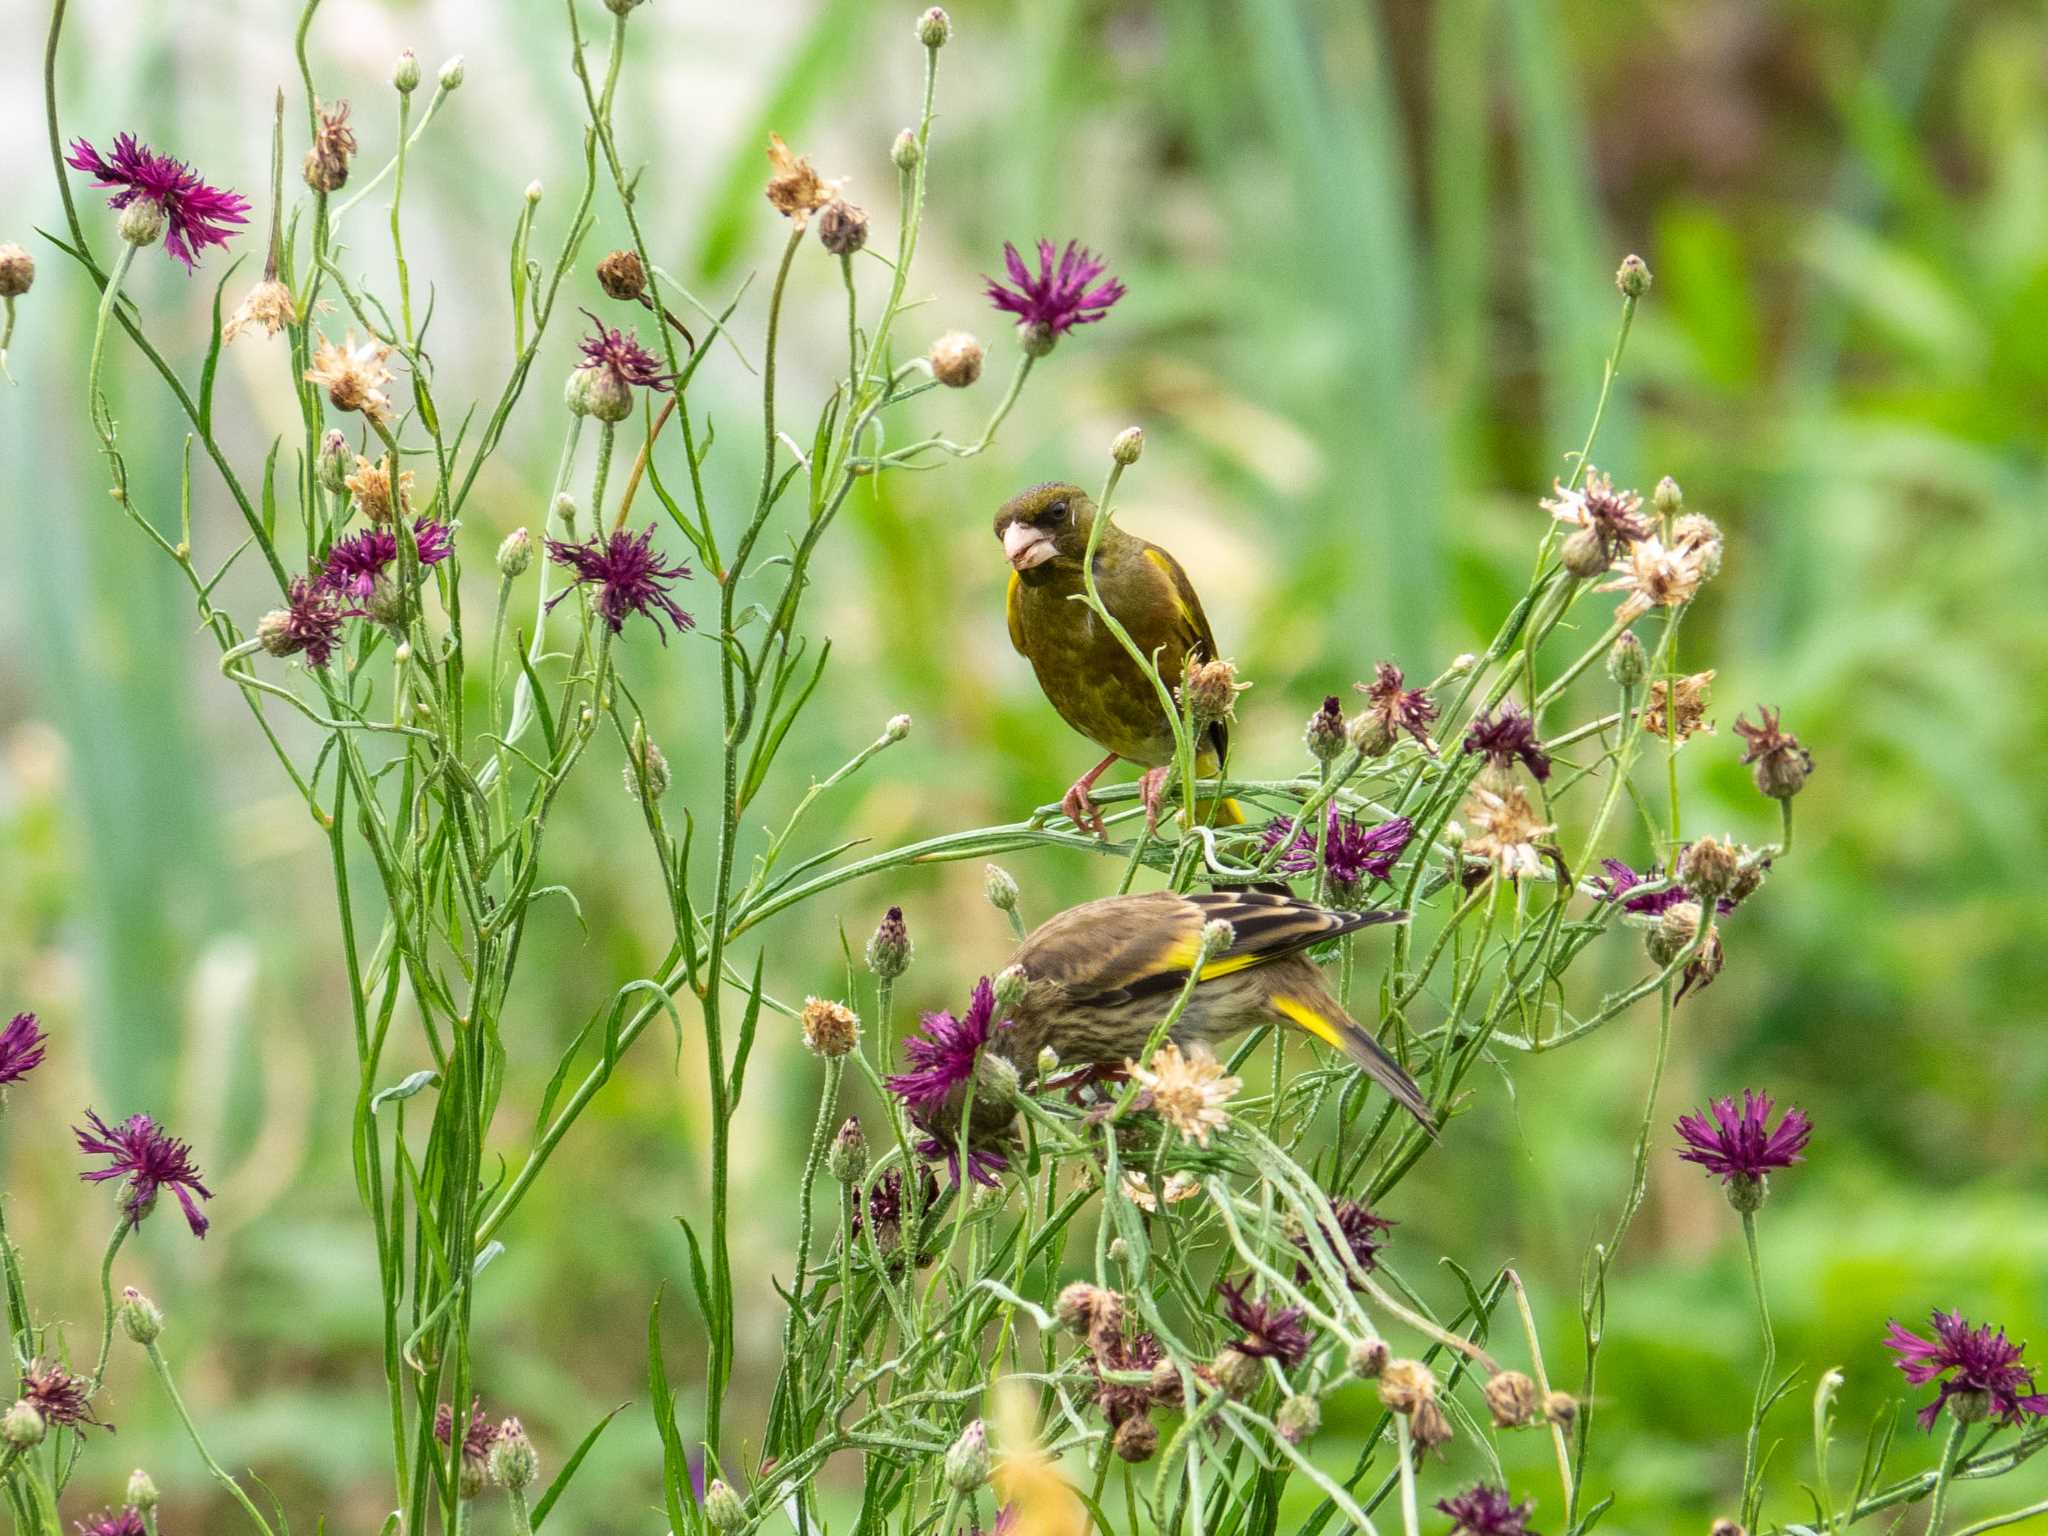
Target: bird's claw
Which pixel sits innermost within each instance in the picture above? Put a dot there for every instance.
(1082, 811)
(1150, 788)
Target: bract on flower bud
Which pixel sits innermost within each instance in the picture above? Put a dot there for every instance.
(140, 1318)
(831, 1029)
(1667, 498)
(1709, 866)
(1236, 1372)
(723, 1510)
(897, 727)
(1970, 1406)
(847, 1158)
(513, 1462)
(1627, 662)
(1119, 1251)
(1633, 277)
(1511, 1398)
(1217, 937)
(1324, 736)
(334, 462)
(1137, 1439)
(905, 153)
(1585, 553)
(1000, 886)
(606, 394)
(842, 227)
(967, 1459)
(1010, 986)
(1300, 1416)
(142, 1494)
(995, 1080)
(1674, 932)
(451, 74)
(890, 950)
(515, 553)
(1128, 446)
(1036, 338)
(1747, 1192)
(956, 359)
(576, 390)
(934, 28)
(22, 1425)
(142, 222)
(405, 74)
(17, 271)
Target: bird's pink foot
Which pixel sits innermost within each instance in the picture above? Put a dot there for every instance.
(1150, 787)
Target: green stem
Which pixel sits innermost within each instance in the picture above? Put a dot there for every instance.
(1938, 1506)
(522, 1522)
(99, 1372)
(220, 1474)
(1752, 1474)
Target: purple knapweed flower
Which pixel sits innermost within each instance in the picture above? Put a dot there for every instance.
(115, 1522)
(1357, 1233)
(308, 622)
(983, 1166)
(1351, 852)
(1985, 1365)
(1508, 738)
(1622, 878)
(620, 352)
(353, 565)
(58, 1395)
(1742, 1144)
(629, 576)
(943, 1057)
(1270, 1332)
(1395, 711)
(478, 1436)
(1055, 299)
(21, 1048)
(150, 1160)
(1484, 1511)
(195, 214)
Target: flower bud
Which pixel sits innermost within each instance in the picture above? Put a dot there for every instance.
(1036, 338)
(620, 7)
(513, 1462)
(1325, 733)
(22, 1425)
(1561, 1409)
(934, 28)
(890, 950)
(1633, 277)
(1000, 886)
(1209, 691)
(1300, 1416)
(645, 764)
(723, 1510)
(966, 1467)
(1048, 1061)
(451, 74)
(1674, 932)
(1236, 1372)
(621, 275)
(17, 271)
(565, 510)
(896, 728)
(842, 227)
(576, 391)
(142, 1494)
(1368, 1358)
(515, 554)
(405, 74)
(956, 359)
(1011, 984)
(1708, 867)
(1726, 1527)
(1627, 663)
(1128, 446)
(847, 1158)
(140, 1318)
(1585, 554)
(1406, 1384)
(142, 222)
(606, 394)
(995, 1079)
(905, 152)
(831, 1029)
(334, 463)
(1372, 734)
(1217, 937)
(533, 191)
(1667, 498)
(1511, 1397)
(1747, 1192)
(1119, 1251)
(1137, 1439)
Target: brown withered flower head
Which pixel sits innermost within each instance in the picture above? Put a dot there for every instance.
(831, 1029)
(842, 227)
(795, 188)
(370, 484)
(1779, 762)
(268, 304)
(58, 1395)
(621, 275)
(1605, 520)
(334, 145)
(1209, 690)
(354, 375)
(1656, 576)
(1693, 694)
(1391, 711)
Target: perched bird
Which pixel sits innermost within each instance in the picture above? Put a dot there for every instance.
(1100, 976)
(1087, 674)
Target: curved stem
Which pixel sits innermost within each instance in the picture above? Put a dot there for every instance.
(99, 1372)
(220, 1473)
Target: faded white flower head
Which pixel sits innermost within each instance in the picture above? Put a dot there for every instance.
(268, 304)
(1503, 830)
(1189, 1091)
(1654, 576)
(354, 375)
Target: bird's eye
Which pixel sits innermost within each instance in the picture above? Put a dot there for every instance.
(1056, 513)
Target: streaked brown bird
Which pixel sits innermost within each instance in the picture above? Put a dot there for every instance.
(1090, 678)
(1100, 976)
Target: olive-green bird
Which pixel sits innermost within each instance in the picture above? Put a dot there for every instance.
(1085, 671)
(1100, 976)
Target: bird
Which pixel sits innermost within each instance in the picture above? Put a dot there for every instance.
(1084, 670)
(1100, 976)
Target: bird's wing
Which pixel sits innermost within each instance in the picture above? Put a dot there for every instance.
(1011, 607)
(1187, 626)
(1128, 947)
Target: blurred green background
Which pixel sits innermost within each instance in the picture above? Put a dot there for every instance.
(1369, 249)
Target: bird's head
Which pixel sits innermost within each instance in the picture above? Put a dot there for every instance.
(1045, 528)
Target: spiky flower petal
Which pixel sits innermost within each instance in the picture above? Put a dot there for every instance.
(150, 1160)
(1977, 1361)
(195, 215)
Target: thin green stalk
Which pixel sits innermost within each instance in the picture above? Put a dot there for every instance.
(1752, 1489)
(220, 1474)
(1937, 1507)
(99, 1371)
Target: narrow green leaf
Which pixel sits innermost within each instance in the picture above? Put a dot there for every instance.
(560, 1483)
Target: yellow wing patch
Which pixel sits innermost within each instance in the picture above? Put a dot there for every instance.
(1181, 954)
(1173, 580)
(1309, 1020)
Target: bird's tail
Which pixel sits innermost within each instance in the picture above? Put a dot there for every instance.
(1215, 813)
(1329, 1023)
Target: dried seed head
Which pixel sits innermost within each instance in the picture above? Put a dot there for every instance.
(1692, 693)
(1209, 691)
(1511, 1398)
(621, 275)
(1674, 932)
(1709, 866)
(1325, 733)
(1300, 1416)
(1405, 1384)
(1633, 277)
(1776, 758)
(17, 271)
(646, 765)
(842, 227)
(142, 1492)
(1627, 661)
(794, 189)
(22, 1426)
(1749, 878)
(370, 484)
(513, 1462)
(831, 1029)
(1368, 1358)
(405, 74)
(1076, 1306)
(847, 1158)
(140, 1317)
(1236, 1372)
(1128, 446)
(515, 554)
(967, 1459)
(934, 28)
(723, 1510)
(890, 950)
(1000, 886)
(1427, 1426)
(956, 359)
(1700, 534)
(334, 146)
(1137, 1439)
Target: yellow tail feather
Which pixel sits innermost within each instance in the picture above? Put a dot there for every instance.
(1337, 1031)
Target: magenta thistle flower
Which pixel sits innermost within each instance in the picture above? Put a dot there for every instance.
(1743, 1145)
(1056, 298)
(1357, 1232)
(309, 622)
(109, 1522)
(353, 565)
(1621, 879)
(1984, 1363)
(983, 1166)
(885, 1207)
(1507, 739)
(1270, 1332)
(478, 1436)
(1352, 853)
(621, 353)
(21, 1048)
(1484, 1511)
(150, 1160)
(59, 1396)
(629, 576)
(1395, 710)
(195, 214)
(943, 1057)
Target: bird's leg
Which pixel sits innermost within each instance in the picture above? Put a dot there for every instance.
(1079, 809)
(1149, 790)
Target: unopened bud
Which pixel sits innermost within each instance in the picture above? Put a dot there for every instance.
(1633, 277)
(1119, 1251)
(1011, 985)
(1627, 662)
(22, 1425)
(723, 1510)
(1325, 734)
(1137, 1439)
(847, 1158)
(646, 770)
(1585, 554)
(842, 227)
(897, 727)
(1709, 866)
(565, 510)
(1048, 1061)
(1217, 937)
(967, 1460)
(1300, 1416)
(1236, 1372)
(890, 950)
(17, 271)
(1674, 932)
(1000, 886)
(831, 1029)
(513, 1462)
(905, 152)
(533, 191)
(142, 1494)
(995, 1080)
(606, 394)
(142, 222)
(1511, 1398)
(1128, 446)
(335, 461)
(515, 554)
(621, 275)
(451, 74)
(934, 28)
(1667, 498)
(140, 1318)
(405, 74)
(576, 391)
(620, 7)
(1368, 1358)
(956, 359)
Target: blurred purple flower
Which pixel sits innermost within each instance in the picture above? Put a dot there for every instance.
(353, 565)
(629, 576)
(1983, 1361)
(21, 1048)
(1484, 1511)
(1742, 1144)
(1270, 1332)
(621, 352)
(1357, 1233)
(943, 1057)
(195, 214)
(108, 1522)
(1508, 738)
(1057, 298)
(149, 1160)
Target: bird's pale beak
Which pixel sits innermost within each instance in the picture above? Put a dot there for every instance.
(1026, 546)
